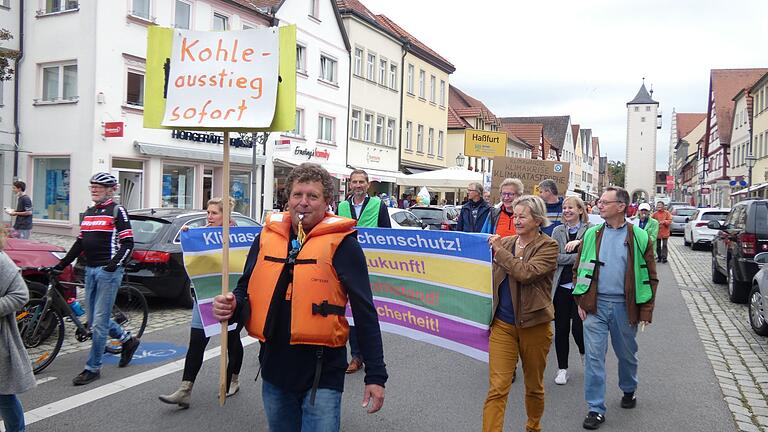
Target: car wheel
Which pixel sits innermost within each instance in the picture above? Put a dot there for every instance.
(685, 241)
(717, 277)
(737, 293)
(757, 312)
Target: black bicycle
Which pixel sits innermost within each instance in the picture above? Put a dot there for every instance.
(41, 321)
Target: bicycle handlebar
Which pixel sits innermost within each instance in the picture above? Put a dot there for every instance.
(49, 270)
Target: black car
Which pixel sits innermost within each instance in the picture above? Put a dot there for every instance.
(438, 218)
(156, 266)
(743, 234)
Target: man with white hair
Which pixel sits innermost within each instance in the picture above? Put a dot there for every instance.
(475, 211)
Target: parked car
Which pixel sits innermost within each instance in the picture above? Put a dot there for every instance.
(30, 253)
(758, 297)
(404, 219)
(680, 217)
(156, 266)
(438, 218)
(743, 234)
(672, 205)
(696, 231)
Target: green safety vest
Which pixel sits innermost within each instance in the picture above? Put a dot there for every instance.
(588, 260)
(370, 216)
(652, 228)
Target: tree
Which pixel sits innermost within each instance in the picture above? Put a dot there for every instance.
(616, 173)
(6, 57)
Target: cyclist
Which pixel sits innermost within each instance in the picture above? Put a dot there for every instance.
(106, 240)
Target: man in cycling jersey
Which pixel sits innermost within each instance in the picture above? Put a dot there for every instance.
(106, 240)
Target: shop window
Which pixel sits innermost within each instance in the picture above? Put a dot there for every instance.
(240, 190)
(183, 14)
(135, 88)
(178, 185)
(51, 188)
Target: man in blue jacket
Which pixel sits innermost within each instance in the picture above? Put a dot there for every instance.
(549, 193)
(475, 211)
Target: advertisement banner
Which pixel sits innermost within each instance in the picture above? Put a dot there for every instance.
(431, 286)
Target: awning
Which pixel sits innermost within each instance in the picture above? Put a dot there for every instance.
(750, 189)
(338, 171)
(412, 170)
(195, 154)
(382, 176)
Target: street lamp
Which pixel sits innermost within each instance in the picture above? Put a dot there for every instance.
(750, 164)
(460, 160)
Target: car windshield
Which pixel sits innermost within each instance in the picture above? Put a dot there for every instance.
(146, 230)
(431, 214)
(685, 211)
(714, 216)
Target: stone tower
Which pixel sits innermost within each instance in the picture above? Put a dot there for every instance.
(640, 174)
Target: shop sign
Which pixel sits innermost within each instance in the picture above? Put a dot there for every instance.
(209, 137)
(282, 143)
(113, 129)
(372, 158)
(312, 153)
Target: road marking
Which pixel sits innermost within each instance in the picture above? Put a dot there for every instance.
(45, 380)
(89, 396)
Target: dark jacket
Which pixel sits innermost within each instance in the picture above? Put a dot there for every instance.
(635, 312)
(469, 223)
(555, 215)
(530, 279)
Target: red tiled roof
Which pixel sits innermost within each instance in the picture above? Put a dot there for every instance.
(455, 121)
(575, 133)
(686, 122)
(467, 106)
(531, 134)
(430, 55)
(725, 84)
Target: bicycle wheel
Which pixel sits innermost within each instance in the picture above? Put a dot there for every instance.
(131, 310)
(42, 332)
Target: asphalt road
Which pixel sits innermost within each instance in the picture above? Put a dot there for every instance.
(430, 389)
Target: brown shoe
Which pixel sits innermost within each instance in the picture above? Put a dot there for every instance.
(355, 365)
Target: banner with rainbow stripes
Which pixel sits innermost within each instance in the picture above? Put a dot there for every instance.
(431, 286)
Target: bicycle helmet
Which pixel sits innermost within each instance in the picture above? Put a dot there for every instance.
(104, 179)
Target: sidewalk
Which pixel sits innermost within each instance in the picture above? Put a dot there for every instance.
(56, 239)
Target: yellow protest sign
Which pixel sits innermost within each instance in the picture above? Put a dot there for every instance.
(487, 144)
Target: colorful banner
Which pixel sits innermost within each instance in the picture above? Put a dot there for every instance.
(431, 286)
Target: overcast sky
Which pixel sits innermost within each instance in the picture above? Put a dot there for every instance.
(587, 58)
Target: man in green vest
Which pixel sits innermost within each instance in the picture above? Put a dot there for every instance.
(615, 288)
(646, 222)
(370, 212)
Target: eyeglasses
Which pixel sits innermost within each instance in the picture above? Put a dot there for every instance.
(509, 194)
(471, 190)
(603, 203)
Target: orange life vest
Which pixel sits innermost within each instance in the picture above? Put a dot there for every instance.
(318, 299)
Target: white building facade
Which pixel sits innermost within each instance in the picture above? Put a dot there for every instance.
(641, 146)
(741, 132)
(9, 156)
(73, 95)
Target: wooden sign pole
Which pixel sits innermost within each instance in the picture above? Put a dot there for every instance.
(224, 268)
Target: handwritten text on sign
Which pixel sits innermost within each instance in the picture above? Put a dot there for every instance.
(223, 79)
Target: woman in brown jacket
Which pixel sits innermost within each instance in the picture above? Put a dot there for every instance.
(523, 266)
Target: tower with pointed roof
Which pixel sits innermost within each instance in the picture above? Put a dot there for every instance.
(640, 172)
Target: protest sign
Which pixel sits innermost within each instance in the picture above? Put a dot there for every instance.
(530, 172)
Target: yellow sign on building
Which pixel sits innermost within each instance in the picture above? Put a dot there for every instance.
(486, 144)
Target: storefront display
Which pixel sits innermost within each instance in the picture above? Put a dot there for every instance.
(51, 188)
(178, 186)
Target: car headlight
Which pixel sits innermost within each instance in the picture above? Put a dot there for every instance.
(59, 255)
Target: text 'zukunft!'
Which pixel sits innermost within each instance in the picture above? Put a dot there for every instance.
(222, 79)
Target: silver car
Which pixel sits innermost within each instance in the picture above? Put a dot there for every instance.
(680, 217)
(758, 297)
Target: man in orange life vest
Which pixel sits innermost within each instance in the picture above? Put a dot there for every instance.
(306, 264)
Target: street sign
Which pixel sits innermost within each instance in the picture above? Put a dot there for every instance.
(486, 144)
(743, 183)
(705, 191)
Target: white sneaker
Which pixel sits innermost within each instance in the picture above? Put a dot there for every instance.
(562, 377)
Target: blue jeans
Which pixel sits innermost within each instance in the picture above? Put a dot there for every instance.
(610, 318)
(23, 234)
(292, 412)
(11, 413)
(100, 292)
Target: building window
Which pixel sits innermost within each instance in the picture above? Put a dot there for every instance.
(178, 185)
(410, 78)
(325, 129)
(422, 82)
(383, 72)
(371, 67)
(440, 144)
(442, 93)
(51, 188)
(59, 82)
(431, 142)
(637, 109)
(301, 59)
(367, 127)
(359, 61)
(420, 139)
(432, 88)
(182, 15)
(328, 69)
(408, 135)
(391, 132)
(139, 8)
(355, 124)
(134, 94)
(220, 22)
(299, 129)
(393, 76)
(648, 109)
(379, 130)
(642, 119)
(314, 8)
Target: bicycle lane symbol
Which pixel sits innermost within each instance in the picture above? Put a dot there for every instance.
(151, 352)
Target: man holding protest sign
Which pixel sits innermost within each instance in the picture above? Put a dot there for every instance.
(369, 212)
(308, 263)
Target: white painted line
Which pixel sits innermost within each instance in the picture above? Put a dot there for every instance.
(45, 380)
(89, 396)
